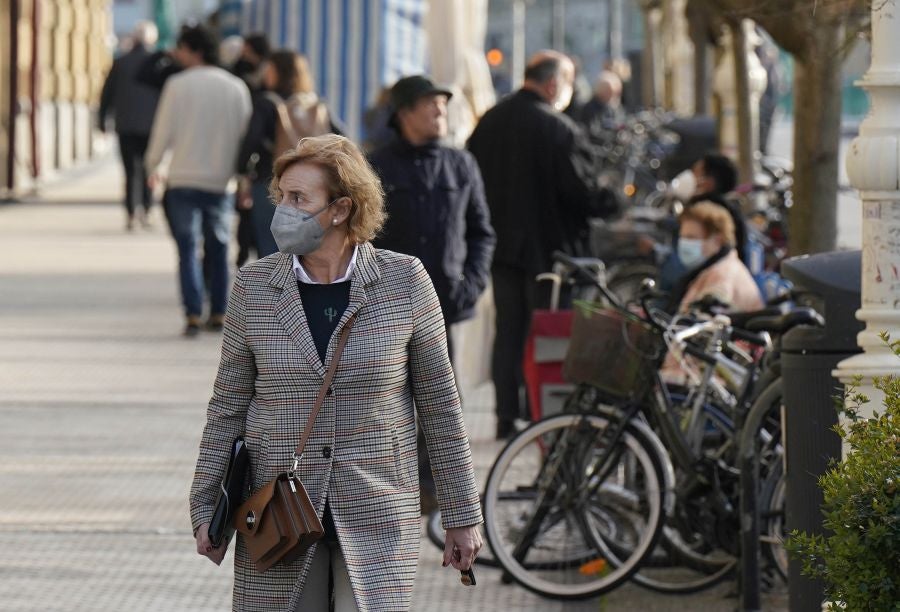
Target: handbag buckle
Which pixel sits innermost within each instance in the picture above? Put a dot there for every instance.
(251, 519)
(293, 469)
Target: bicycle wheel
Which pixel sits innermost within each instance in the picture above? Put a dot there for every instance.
(772, 501)
(765, 414)
(560, 497)
(689, 557)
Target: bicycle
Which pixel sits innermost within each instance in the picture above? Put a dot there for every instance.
(591, 478)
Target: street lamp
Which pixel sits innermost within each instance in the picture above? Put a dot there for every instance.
(873, 166)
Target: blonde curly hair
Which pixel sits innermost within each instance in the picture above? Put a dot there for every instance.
(713, 218)
(348, 174)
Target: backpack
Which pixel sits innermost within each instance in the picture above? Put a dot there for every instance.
(299, 116)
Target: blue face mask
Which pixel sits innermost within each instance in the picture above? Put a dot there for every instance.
(297, 232)
(690, 252)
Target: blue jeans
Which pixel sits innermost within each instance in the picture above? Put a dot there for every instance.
(262, 213)
(196, 214)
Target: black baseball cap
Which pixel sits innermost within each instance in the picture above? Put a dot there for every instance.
(408, 90)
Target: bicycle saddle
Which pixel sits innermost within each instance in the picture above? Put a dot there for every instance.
(778, 325)
(741, 319)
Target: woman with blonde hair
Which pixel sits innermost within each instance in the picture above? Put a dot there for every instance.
(706, 247)
(359, 465)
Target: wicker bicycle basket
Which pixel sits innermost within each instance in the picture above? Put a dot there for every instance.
(610, 350)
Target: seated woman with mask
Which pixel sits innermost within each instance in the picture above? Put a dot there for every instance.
(706, 248)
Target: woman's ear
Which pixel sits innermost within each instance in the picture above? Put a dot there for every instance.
(342, 208)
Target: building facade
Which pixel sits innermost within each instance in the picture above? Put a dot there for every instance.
(54, 55)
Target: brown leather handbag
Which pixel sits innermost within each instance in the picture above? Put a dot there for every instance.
(279, 522)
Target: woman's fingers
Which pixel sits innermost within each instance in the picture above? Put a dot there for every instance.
(461, 546)
(217, 554)
(204, 546)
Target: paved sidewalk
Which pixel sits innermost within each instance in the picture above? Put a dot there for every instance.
(102, 404)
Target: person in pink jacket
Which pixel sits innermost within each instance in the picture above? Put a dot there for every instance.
(706, 247)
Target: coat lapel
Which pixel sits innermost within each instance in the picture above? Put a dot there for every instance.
(289, 311)
(289, 307)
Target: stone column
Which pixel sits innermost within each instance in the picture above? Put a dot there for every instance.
(652, 57)
(679, 62)
(99, 60)
(725, 89)
(7, 69)
(517, 61)
(873, 166)
(83, 16)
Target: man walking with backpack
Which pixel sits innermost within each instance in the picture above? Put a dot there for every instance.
(285, 110)
(202, 115)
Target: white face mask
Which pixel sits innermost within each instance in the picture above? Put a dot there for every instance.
(564, 97)
(684, 185)
(690, 252)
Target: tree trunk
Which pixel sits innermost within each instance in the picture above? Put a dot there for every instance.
(742, 86)
(817, 129)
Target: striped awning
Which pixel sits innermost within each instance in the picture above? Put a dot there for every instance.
(354, 47)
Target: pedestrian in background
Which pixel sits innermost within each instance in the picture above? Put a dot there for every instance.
(713, 177)
(201, 118)
(436, 211)
(134, 105)
(603, 112)
(540, 177)
(249, 64)
(706, 247)
(285, 110)
(360, 459)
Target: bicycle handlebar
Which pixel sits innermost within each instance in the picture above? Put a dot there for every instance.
(586, 276)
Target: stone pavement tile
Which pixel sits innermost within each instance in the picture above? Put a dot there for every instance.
(114, 572)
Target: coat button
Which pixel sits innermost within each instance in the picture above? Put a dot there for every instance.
(326, 452)
(330, 391)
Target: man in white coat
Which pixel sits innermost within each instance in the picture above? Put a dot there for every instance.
(201, 118)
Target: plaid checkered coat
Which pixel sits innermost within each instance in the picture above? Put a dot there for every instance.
(362, 451)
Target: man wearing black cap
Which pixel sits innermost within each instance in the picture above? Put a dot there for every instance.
(436, 205)
(435, 199)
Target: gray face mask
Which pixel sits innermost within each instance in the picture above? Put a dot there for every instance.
(297, 232)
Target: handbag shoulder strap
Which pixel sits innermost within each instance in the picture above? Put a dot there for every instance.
(323, 390)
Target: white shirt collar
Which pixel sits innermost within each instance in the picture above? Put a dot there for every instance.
(303, 277)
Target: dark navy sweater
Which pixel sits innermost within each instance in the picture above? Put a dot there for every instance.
(324, 306)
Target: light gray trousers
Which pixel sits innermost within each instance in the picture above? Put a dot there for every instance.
(316, 596)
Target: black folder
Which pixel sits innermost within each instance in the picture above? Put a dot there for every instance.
(231, 493)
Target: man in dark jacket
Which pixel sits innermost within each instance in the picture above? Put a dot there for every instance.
(134, 104)
(435, 199)
(436, 211)
(541, 182)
